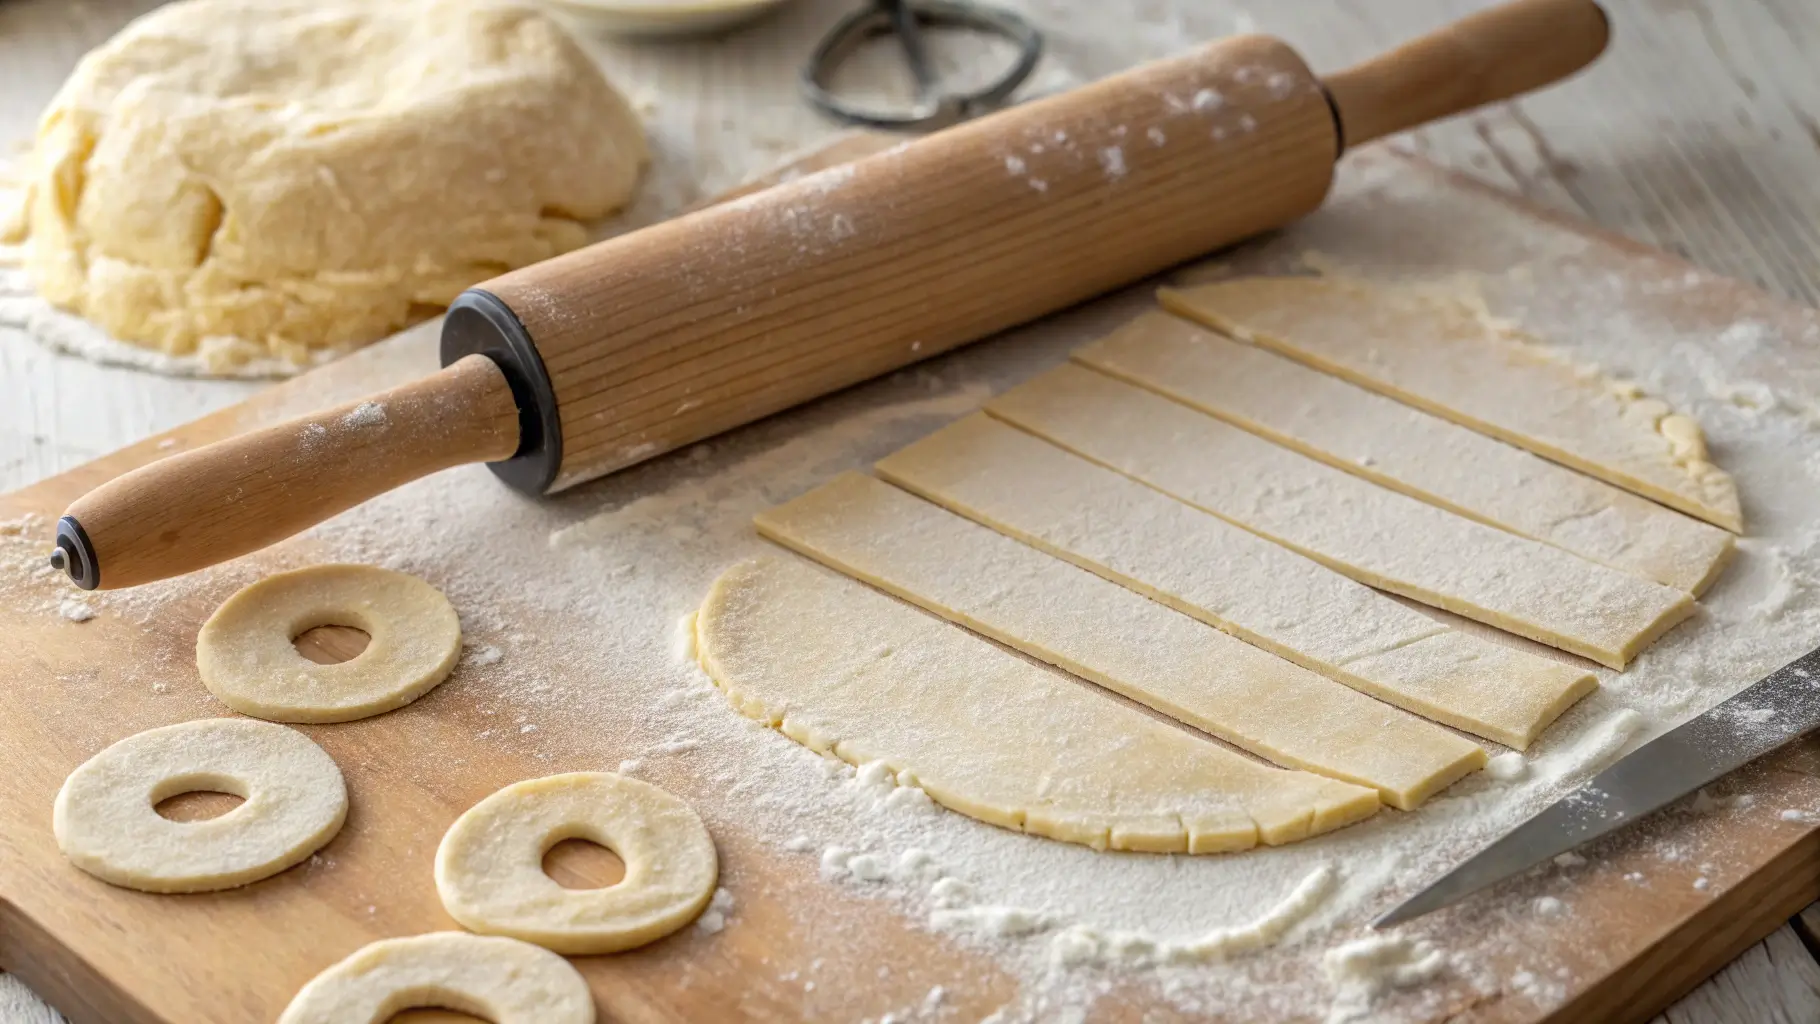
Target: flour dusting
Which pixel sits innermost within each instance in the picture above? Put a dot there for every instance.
(582, 595)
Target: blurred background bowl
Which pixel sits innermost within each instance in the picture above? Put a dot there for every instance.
(663, 17)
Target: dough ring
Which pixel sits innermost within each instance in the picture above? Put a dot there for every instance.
(294, 797)
(489, 868)
(248, 662)
(502, 980)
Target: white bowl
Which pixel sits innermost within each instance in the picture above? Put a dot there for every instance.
(663, 17)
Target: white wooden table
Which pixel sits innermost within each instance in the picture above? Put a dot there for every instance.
(1698, 133)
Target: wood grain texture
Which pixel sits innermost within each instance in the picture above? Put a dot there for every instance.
(1698, 132)
(1490, 56)
(111, 955)
(194, 509)
(688, 328)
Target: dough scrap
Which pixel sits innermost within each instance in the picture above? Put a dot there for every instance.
(294, 803)
(1408, 450)
(1375, 535)
(501, 980)
(489, 867)
(849, 672)
(248, 662)
(1259, 591)
(1068, 617)
(250, 178)
(1443, 358)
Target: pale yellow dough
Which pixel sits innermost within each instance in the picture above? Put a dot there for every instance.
(1403, 448)
(1120, 639)
(1375, 535)
(1259, 591)
(489, 868)
(294, 802)
(503, 981)
(248, 662)
(849, 672)
(253, 178)
(1444, 358)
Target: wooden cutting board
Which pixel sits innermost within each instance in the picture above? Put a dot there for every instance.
(106, 954)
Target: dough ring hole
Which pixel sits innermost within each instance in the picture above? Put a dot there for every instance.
(430, 1014)
(331, 644)
(581, 862)
(200, 797)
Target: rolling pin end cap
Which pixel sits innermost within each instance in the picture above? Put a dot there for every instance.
(75, 555)
(480, 323)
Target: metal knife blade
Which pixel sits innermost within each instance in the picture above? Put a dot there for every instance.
(1781, 707)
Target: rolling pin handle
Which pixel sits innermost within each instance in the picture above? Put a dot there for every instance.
(1493, 55)
(193, 509)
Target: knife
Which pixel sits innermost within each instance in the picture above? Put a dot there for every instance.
(1776, 710)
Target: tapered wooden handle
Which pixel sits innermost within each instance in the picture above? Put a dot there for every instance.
(197, 508)
(1490, 56)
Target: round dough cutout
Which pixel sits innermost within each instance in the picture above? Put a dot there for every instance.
(489, 868)
(106, 823)
(501, 980)
(247, 659)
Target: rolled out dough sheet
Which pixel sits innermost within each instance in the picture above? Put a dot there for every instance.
(1444, 358)
(1259, 591)
(1403, 448)
(1061, 614)
(849, 672)
(1375, 535)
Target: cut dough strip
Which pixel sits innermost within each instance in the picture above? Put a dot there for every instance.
(1259, 591)
(1445, 359)
(1375, 535)
(1100, 631)
(1403, 448)
(849, 672)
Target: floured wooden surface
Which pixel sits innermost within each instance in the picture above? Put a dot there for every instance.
(571, 606)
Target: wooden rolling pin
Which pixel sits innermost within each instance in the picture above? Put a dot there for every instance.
(612, 354)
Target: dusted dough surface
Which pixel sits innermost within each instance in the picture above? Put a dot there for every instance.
(500, 980)
(489, 867)
(1403, 448)
(1062, 614)
(256, 178)
(1375, 535)
(294, 802)
(1443, 358)
(248, 661)
(1259, 591)
(854, 674)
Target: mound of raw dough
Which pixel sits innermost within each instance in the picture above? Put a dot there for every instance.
(245, 178)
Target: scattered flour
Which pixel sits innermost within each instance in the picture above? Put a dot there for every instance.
(1112, 161)
(713, 919)
(1364, 969)
(1080, 944)
(1507, 767)
(595, 579)
(1207, 100)
(682, 639)
(75, 609)
(366, 414)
